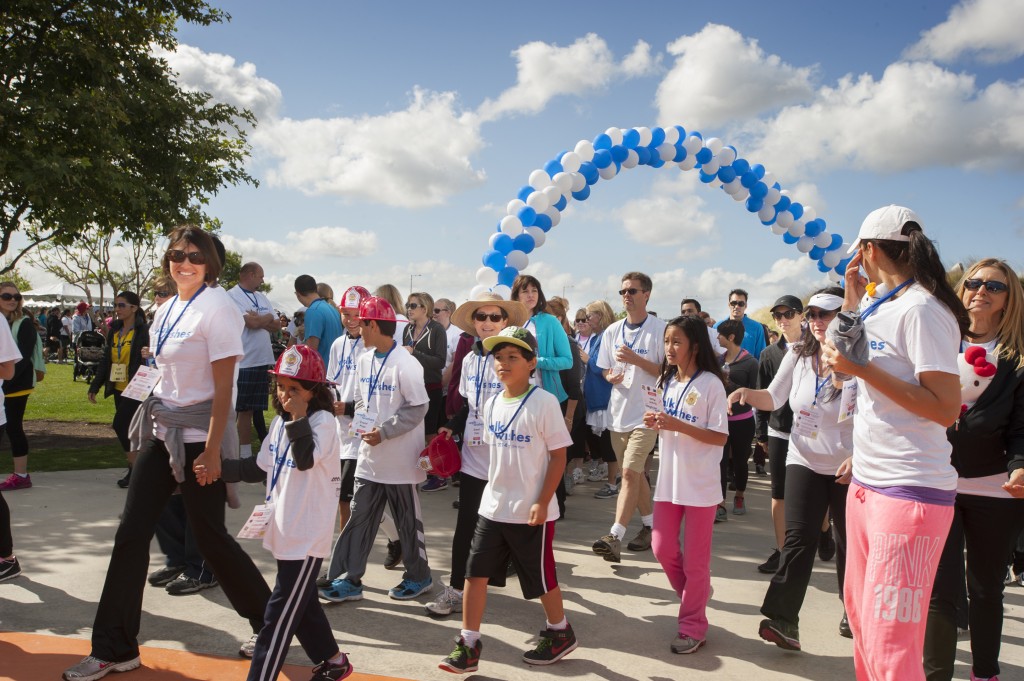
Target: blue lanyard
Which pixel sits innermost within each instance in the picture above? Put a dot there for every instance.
(161, 337)
(508, 425)
(375, 380)
(251, 295)
(341, 364)
(124, 339)
(636, 337)
(682, 395)
(874, 306)
(824, 381)
(480, 371)
(279, 459)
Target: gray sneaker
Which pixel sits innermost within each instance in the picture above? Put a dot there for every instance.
(447, 602)
(598, 472)
(607, 492)
(610, 547)
(642, 540)
(183, 585)
(248, 649)
(684, 645)
(569, 482)
(92, 668)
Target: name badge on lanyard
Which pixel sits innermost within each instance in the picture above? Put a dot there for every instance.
(363, 422)
(848, 403)
(474, 434)
(142, 384)
(256, 526)
(118, 373)
(807, 422)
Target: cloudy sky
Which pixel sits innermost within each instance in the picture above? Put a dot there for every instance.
(392, 136)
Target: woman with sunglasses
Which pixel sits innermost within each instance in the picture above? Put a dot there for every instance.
(988, 454)
(817, 467)
(27, 372)
(427, 341)
(908, 392)
(180, 431)
(122, 357)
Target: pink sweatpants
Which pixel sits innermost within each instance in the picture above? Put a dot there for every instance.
(689, 569)
(892, 552)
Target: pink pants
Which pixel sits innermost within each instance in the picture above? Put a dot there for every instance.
(892, 552)
(688, 570)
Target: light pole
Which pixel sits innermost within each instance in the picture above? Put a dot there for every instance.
(411, 276)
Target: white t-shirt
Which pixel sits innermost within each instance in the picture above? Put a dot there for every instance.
(689, 472)
(626, 404)
(478, 384)
(908, 336)
(715, 345)
(185, 338)
(397, 382)
(341, 369)
(305, 502)
(255, 342)
(401, 321)
(520, 450)
(8, 351)
(795, 381)
(453, 333)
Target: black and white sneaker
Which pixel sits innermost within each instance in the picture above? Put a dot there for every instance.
(9, 569)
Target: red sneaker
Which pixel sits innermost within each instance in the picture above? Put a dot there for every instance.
(14, 482)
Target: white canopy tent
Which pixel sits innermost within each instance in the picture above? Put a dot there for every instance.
(69, 295)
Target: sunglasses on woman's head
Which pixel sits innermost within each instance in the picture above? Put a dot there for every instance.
(484, 316)
(990, 286)
(10, 296)
(194, 257)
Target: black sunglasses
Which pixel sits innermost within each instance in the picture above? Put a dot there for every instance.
(162, 294)
(484, 316)
(194, 257)
(10, 296)
(120, 305)
(630, 291)
(737, 303)
(975, 284)
(439, 310)
(788, 314)
(823, 314)
(581, 321)
(412, 306)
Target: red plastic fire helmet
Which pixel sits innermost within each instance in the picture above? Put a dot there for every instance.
(443, 455)
(353, 297)
(302, 363)
(377, 308)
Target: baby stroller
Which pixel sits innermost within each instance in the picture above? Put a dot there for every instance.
(88, 353)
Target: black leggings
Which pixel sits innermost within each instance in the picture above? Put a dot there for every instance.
(778, 449)
(15, 426)
(600, 445)
(124, 411)
(471, 490)
(6, 540)
(736, 453)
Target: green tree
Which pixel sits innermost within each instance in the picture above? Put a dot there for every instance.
(12, 274)
(229, 273)
(95, 132)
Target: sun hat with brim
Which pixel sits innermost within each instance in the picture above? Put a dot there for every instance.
(516, 335)
(886, 223)
(463, 315)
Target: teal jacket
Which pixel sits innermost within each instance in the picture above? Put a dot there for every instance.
(553, 352)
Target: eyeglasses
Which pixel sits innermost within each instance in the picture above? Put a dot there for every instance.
(581, 321)
(484, 316)
(788, 314)
(10, 296)
(194, 257)
(813, 315)
(120, 305)
(974, 285)
(630, 291)
(162, 294)
(412, 306)
(439, 310)
(737, 303)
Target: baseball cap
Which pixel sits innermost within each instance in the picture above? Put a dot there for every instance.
(789, 301)
(886, 223)
(516, 335)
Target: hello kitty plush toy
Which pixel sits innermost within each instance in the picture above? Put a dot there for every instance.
(977, 367)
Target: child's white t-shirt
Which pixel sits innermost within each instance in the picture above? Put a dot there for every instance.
(689, 472)
(521, 432)
(626, 404)
(478, 384)
(397, 382)
(185, 340)
(908, 336)
(341, 370)
(795, 381)
(305, 502)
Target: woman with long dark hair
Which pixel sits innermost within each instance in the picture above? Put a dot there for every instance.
(27, 371)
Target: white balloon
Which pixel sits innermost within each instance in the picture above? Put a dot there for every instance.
(731, 188)
(711, 167)
(688, 163)
(511, 225)
(809, 214)
(714, 144)
(478, 291)
(645, 135)
(563, 181)
(514, 206)
(832, 258)
(585, 150)
(797, 229)
(666, 151)
(519, 260)
(485, 276)
(539, 179)
(784, 218)
(742, 194)
(503, 291)
(608, 172)
(785, 192)
(578, 182)
(538, 201)
(539, 237)
(778, 229)
(553, 193)
(615, 134)
(772, 197)
(693, 144)
(671, 135)
(804, 245)
(834, 276)
(769, 178)
(823, 240)
(632, 159)
(766, 213)
(555, 216)
(571, 161)
(726, 156)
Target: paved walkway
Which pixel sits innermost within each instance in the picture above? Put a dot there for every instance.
(624, 615)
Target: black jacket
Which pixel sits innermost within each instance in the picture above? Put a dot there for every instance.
(781, 419)
(24, 370)
(139, 341)
(430, 349)
(989, 437)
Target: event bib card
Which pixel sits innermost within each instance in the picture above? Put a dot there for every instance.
(807, 422)
(142, 384)
(848, 401)
(627, 376)
(118, 373)
(474, 435)
(256, 526)
(652, 402)
(363, 422)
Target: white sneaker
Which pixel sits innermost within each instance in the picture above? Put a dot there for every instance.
(577, 476)
(92, 668)
(248, 649)
(569, 483)
(598, 472)
(447, 602)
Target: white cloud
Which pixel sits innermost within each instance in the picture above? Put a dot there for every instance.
(672, 214)
(721, 76)
(990, 29)
(808, 194)
(305, 245)
(545, 71)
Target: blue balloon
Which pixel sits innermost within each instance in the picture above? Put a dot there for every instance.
(796, 209)
(754, 203)
(706, 178)
(726, 174)
(619, 153)
(783, 204)
(630, 139)
(704, 155)
(494, 260)
(544, 221)
(527, 215)
(789, 238)
(560, 204)
(583, 194)
(822, 267)
(816, 253)
(812, 228)
(645, 155)
(748, 179)
(507, 276)
(553, 167)
(837, 241)
(589, 172)
(680, 154)
(502, 244)
(682, 133)
(769, 223)
(741, 165)
(602, 158)
(777, 186)
(602, 141)
(759, 190)
(758, 170)
(525, 191)
(524, 242)
(697, 135)
(657, 137)
(656, 161)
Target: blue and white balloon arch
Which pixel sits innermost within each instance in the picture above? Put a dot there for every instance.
(538, 207)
